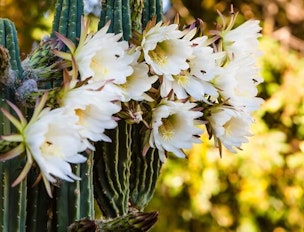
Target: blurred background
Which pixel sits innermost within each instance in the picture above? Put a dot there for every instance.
(260, 189)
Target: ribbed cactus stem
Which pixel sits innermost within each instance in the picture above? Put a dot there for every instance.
(67, 20)
(118, 12)
(152, 8)
(117, 16)
(112, 172)
(126, 19)
(9, 40)
(86, 208)
(72, 201)
(106, 15)
(124, 179)
(12, 200)
(136, 14)
(144, 171)
(37, 207)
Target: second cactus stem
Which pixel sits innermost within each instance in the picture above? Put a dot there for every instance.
(124, 180)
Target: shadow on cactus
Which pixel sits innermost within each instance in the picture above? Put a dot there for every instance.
(97, 115)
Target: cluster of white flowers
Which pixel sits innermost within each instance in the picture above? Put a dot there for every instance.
(169, 80)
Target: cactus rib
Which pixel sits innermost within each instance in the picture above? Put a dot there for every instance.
(8, 38)
(13, 200)
(126, 19)
(111, 172)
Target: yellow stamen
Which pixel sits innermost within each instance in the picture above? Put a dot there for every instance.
(182, 79)
(167, 130)
(47, 148)
(159, 54)
(81, 116)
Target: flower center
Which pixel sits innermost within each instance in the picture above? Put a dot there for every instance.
(98, 67)
(229, 126)
(167, 129)
(80, 113)
(159, 54)
(48, 149)
(181, 79)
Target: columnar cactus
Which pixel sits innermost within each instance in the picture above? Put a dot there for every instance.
(12, 200)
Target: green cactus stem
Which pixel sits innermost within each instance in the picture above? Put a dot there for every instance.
(118, 12)
(9, 40)
(106, 15)
(67, 20)
(38, 204)
(151, 9)
(12, 200)
(126, 19)
(144, 171)
(112, 172)
(124, 179)
(72, 201)
(136, 14)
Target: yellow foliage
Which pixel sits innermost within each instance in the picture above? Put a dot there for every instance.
(259, 189)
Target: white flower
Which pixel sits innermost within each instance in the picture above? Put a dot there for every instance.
(182, 85)
(174, 127)
(243, 40)
(230, 127)
(103, 57)
(50, 138)
(204, 61)
(54, 142)
(164, 49)
(94, 105)
(138, 82)
(197, 80)
(237, 84)
(204, 64)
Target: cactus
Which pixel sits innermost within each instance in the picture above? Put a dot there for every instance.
(133, 222)
(117, 175)
(12, 200)
(111, 172)
(139, 172)
(118, 12)
(67, 19)
(72, 201)
(144, 172)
